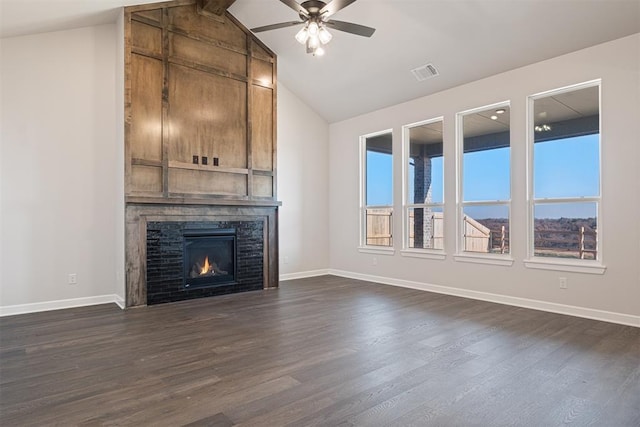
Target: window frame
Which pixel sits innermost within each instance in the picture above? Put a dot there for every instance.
(363, 246)
(595, 266)
(461, 254)
(406, 206)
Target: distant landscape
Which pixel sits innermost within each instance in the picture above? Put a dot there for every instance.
(553, 236)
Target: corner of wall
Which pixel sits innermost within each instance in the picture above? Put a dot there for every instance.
(119, 207)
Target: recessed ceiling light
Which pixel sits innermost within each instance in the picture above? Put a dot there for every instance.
(494, 117)
(500, 111)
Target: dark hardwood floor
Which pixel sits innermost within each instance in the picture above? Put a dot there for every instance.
(325, 351)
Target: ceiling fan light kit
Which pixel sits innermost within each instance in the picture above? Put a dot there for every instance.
(314, 15)
(314, 35)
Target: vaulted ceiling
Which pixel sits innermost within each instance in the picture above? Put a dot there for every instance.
(465, 40)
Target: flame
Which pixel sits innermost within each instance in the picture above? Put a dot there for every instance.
(206, 267)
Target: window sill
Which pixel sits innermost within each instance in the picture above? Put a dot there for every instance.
(588, 267)
(485, 259)
(376, 250)
(416, 253)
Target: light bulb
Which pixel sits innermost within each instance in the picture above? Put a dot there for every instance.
(324, 35)
(313, 28)
(302, 35)
(313, 41)
(319, 51)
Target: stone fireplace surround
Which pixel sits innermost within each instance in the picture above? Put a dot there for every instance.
(166, 264)
(142, 216)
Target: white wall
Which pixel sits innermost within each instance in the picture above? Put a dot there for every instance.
(59, 158)
(303, 154)
(617, 291)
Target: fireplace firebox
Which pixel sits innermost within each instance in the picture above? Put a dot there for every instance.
(203, 258)
(209, 258)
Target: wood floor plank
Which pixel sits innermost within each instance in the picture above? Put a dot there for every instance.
(317, 351)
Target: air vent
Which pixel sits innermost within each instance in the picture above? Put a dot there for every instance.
(425, 72)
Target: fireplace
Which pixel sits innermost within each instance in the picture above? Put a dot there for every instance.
(173, 182)
(209, 258)
(188, 259)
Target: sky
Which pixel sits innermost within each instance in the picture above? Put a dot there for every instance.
(562, 168)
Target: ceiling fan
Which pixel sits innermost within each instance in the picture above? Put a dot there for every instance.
(314, 15)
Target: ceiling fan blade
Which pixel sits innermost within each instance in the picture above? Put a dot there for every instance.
(334, 6)
(293, 4)
(276, 26)
(349, 27)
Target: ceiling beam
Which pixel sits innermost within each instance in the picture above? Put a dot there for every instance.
(217, 7)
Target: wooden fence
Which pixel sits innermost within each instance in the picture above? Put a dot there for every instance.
(484, 239)
(379, 227)
(581, 244)
(432, 240)
(479, 238)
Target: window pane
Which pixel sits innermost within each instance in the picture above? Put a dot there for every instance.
(566, 230)
(568, 167)
(486, 229)
(379, 227)
(426, 229)
(379, 171)
(487, 175)
(425, 164)
(566, 153)
(486, 161)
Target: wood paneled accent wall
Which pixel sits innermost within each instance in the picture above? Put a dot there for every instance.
(199, 86)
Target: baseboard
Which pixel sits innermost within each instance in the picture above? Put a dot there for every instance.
(119, 301)
(10, 310)
(588, 313)
(304, 274)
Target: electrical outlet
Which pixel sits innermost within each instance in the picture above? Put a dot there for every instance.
(563, 282)
(73, 279)
(374, 261)
(285, 260)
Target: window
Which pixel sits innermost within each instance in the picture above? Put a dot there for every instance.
(564, 181)
(484, 181)
(424, 186)
(377, 190)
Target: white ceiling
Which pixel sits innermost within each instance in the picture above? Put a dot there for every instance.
(465, 39)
